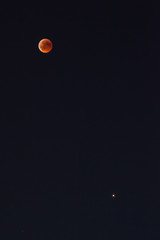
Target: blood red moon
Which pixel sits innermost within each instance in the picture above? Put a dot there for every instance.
(45, 45)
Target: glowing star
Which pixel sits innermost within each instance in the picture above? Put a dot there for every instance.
(113, 195)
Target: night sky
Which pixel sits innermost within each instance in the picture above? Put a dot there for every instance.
(80, 123)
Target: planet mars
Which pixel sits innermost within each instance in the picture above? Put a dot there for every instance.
(45, 45)
(113, 195)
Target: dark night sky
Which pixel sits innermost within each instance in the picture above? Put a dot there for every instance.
(81, 122)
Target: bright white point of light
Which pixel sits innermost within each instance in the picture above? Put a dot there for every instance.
(113, 195)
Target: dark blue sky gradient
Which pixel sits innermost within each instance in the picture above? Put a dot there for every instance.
(81, 122)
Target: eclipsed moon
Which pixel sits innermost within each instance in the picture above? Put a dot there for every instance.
(45, 45)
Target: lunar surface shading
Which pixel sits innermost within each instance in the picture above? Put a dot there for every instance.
(45, 45)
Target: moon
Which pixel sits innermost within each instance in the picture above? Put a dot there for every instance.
(45, 45)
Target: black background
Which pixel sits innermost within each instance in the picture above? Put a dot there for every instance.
(81, 122)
